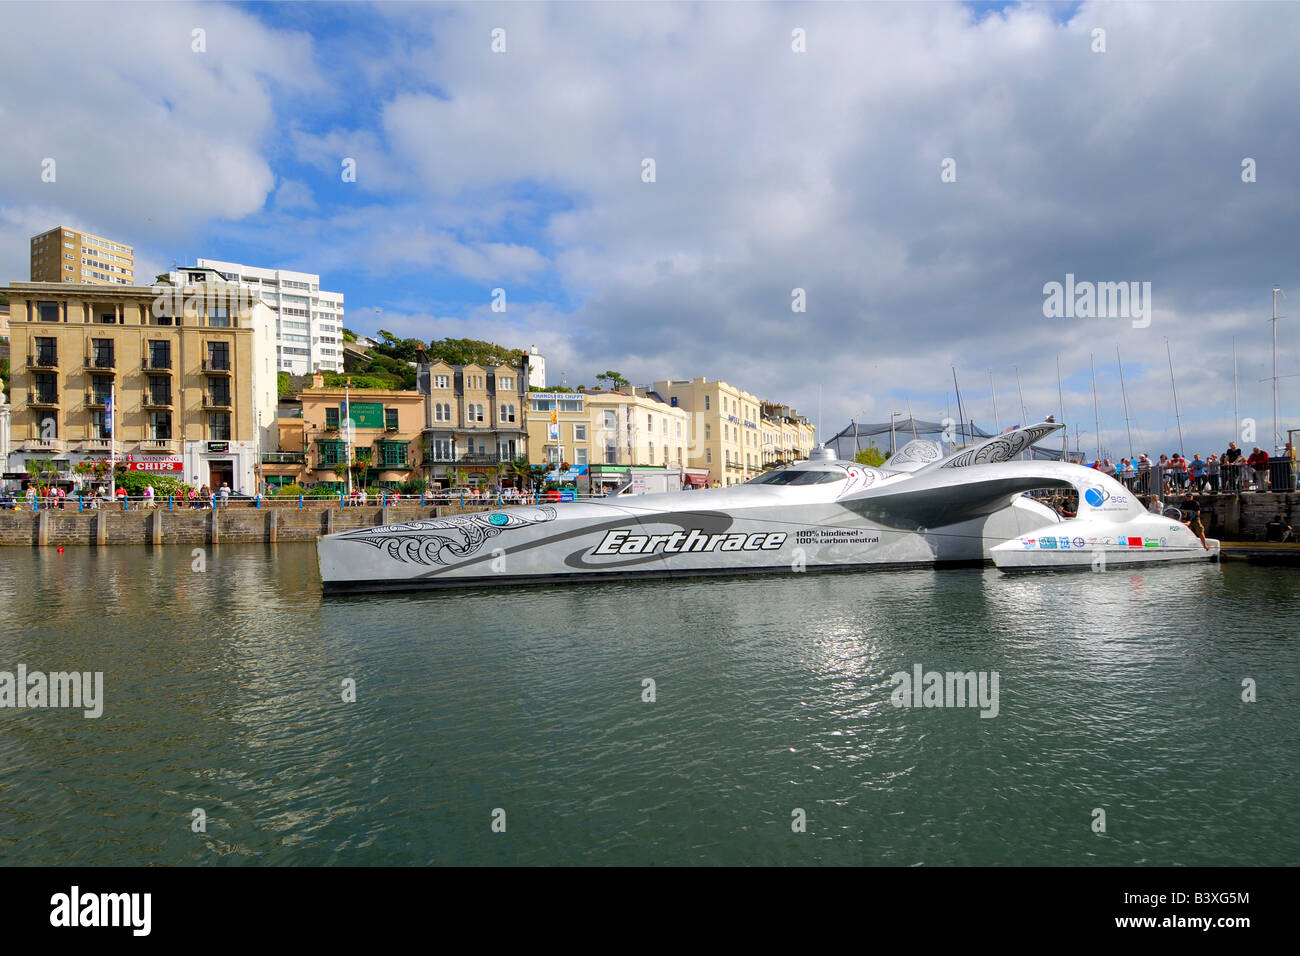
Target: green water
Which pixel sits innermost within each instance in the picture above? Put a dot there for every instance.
(1118, 691)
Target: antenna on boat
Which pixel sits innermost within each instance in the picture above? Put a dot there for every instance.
(1124, 393)
(911, 418)
(1024, 414)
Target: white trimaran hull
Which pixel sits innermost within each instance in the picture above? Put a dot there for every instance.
(821, 515)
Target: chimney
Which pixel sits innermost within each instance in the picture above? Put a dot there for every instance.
(318, 379)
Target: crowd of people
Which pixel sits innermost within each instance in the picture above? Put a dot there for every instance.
(1229, 473)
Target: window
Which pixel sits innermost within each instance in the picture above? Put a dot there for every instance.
(570, 404)
(611, 453)
(45, 424)
(48, 311)
(219, 391)
(107, 318)
(392, 454)
(708, 432)
(651, 459)
(101, 387)
(332, 418)
(507, 413)
(219, 356)
(611, 420)
(506, 449)
(442, 381)
(708, 456)
(441, 412)
(580, 456)
(580, 432)
(331, 451)
(219, 426)
(160, 354)
(47, 352)
(160, 390)
(706, 403)
(444, 449)
(679, 429)
(390, 419)
(47, 388)
(506, 383)
(160, 426)
(553, 453)
(97, 430)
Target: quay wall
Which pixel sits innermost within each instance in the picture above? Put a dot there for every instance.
(234, 524)
(1228, 517)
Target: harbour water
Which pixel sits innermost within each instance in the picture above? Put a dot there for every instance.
(223, 691)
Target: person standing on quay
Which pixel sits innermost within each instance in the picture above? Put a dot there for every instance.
(1191, 509)
(225, 495)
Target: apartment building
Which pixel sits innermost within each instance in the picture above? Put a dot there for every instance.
(79, 258)
(474, 421)
(191, 369)
(787, 435)
(606, 428)
(385, 434)
(724, 430)
(308, 320)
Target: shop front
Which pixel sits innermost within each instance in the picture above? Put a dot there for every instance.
(213, 462)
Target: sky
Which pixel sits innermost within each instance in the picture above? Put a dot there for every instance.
(920, 171)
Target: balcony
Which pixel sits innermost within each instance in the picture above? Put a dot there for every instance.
(157, 363)
(43, 398)
(95, 401)
(483, 459)
(95, 444)
(44, 444)
(433, 458)
(154, 446)
(102, 363)
(216, 401)
(217, 366)
(43, 358)
(284, 458)
(156, 400)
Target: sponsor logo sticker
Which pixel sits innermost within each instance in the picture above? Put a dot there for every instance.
(1047, 544)
(1079, 542)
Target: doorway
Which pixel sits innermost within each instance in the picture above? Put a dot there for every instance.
(219, 471)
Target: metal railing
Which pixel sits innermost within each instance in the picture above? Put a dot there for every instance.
(43, 358)
(47, 396)
(152, 363)
(216, 365)
(101, 361)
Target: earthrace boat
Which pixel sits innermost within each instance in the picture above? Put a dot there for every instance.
(922, 509)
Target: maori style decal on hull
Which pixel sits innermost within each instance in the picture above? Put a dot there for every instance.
(446, 540)
(1002, 448)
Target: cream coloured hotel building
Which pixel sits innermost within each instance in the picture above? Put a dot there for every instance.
(606, 428)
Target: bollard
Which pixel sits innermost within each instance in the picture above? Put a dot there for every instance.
(169, 503)
(81, 503)
(300, 501)
(422, 499)
(340, 499)
(257, 500)
(462, 498)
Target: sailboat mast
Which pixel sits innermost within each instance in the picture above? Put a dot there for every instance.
(1174, 389)
(1060, 400)
(1236, 421)
(994, 392)
(961, 415)
(1096, 415)
(1124, 393)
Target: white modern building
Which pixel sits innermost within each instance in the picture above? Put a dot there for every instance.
(308, 321)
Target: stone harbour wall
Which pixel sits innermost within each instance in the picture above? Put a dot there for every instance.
(187, 526)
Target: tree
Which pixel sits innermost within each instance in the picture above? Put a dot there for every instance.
(283, 384)
(613, 380)
(349, 335)
(473, 352)
(361, 463)
(870, 456)
(4, 377)
(41, 469)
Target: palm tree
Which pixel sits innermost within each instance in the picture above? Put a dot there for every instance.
(361, 463)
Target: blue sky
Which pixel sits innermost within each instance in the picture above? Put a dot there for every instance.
(776, 170)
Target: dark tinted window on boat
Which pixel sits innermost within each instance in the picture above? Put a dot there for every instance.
(792, 477)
